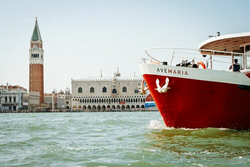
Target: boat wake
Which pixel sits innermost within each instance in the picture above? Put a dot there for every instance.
(157, 124)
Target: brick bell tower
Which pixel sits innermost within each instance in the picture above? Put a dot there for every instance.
(36, 82)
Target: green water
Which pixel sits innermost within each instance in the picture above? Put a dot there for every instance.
(115, 139)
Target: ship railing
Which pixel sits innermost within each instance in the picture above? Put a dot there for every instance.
(210, 57)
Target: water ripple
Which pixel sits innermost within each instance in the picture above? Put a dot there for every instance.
(115, 139)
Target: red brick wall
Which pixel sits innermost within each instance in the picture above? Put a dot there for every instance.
(39, 45)
(36, 80)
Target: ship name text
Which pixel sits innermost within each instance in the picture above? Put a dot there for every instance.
(171, 71)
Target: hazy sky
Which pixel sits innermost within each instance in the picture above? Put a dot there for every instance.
(83, 37)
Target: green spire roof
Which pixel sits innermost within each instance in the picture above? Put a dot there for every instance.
(36, 36)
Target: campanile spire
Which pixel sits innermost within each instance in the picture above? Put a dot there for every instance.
(36, 36)
(36, 78)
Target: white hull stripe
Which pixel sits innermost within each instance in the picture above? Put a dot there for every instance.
(195, 73)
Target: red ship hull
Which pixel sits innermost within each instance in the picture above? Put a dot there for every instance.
(192, 103)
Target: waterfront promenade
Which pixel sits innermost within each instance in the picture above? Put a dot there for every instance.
(66, 110)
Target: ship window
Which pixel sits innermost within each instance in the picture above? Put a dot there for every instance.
(80, 90)
(248, 60)
(92, 90)
(248, 55)
(247, 48)
(124, 89)
(104, 89)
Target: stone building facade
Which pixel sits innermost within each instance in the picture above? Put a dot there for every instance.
(58, 101)
(50, 101)
(64, 100)
(16, 98)
(34, 100)
(107, 94)
(13, 98)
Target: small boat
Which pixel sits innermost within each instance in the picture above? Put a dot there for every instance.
(149, 101)
(204, 87)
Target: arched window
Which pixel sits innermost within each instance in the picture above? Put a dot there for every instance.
(104, 90)
(79, 90)
(136, 90)
(92, 90)
(124, 89)
(114, 91)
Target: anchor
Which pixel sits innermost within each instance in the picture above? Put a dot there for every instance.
(164, 88)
